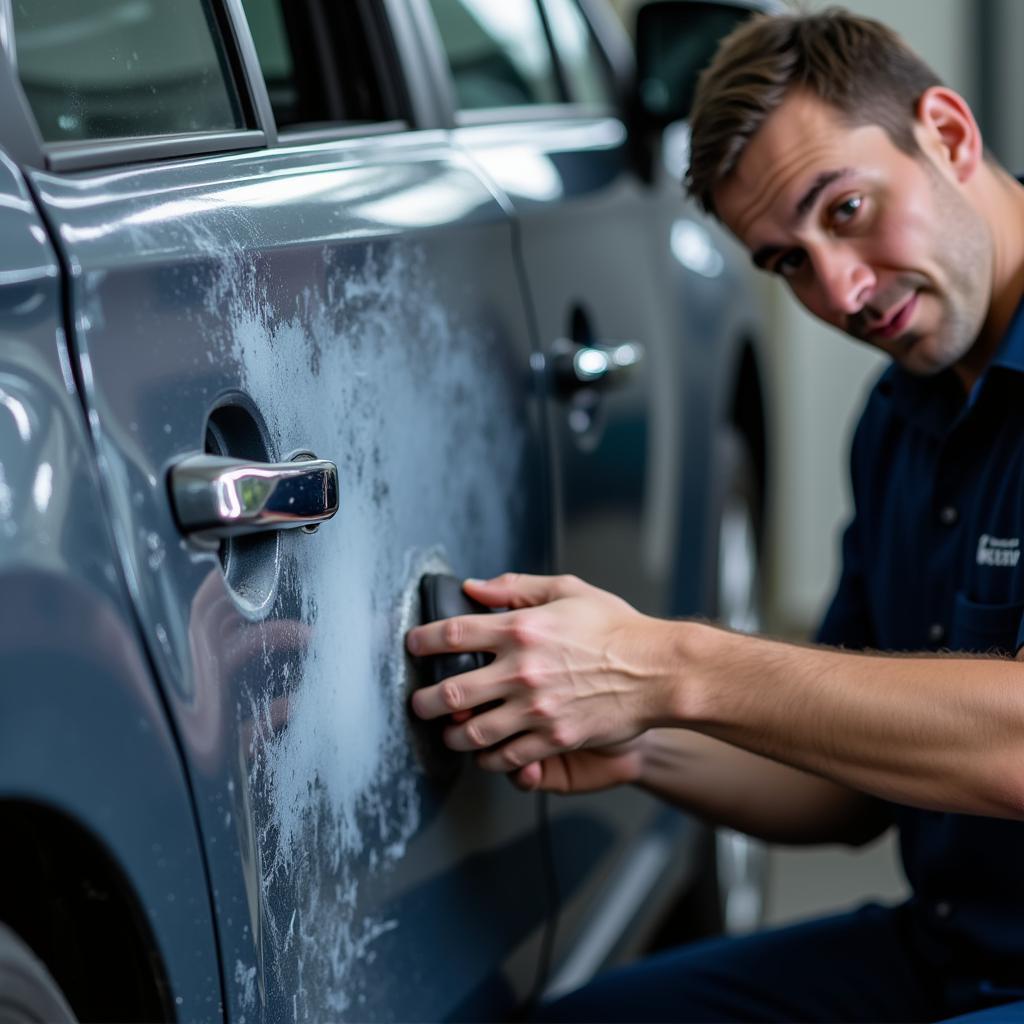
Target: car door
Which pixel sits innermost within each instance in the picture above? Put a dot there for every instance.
(340, 287)
(549, 132)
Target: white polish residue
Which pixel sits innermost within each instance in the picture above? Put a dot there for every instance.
(6, 497)
(369, 369)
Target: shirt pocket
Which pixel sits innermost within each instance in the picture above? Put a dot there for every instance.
(985, 628)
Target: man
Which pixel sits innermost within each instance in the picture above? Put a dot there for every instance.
(844, 165)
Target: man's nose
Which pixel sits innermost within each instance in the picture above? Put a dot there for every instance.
(846, 282)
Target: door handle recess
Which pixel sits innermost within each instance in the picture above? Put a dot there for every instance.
(578, 366)
(214, 496)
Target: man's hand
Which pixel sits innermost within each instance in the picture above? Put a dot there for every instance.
(574, 667)
(585, 771)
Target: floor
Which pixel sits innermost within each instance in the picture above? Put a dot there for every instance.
(805, 882)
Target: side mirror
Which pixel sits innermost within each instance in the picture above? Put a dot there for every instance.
(675, 41)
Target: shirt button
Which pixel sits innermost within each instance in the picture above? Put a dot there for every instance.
(943, 910)
(936, 633)
(948, 515)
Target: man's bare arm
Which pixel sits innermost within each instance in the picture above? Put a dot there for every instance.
(577, 667)
(721, 784)
(752, 794)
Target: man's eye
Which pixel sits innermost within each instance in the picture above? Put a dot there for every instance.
(847, 210)
(790, 263)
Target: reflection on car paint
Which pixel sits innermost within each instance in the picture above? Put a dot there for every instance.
(333, 788)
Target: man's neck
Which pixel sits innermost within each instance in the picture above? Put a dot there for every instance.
(1001, 203)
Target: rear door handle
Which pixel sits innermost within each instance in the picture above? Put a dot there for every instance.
(216, 497)
(578, 366)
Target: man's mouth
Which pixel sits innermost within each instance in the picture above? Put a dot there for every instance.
(896, 323)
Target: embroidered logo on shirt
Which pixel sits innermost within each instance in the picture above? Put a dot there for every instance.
(998, 551)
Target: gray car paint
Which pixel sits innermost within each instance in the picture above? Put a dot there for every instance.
(171, 268)
(635, 489)
(362, 300)
(83, 730)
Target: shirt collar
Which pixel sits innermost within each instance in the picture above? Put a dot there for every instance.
(1010, 354)
(935, 403)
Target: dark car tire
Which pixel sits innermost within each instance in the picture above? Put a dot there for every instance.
(28, 992)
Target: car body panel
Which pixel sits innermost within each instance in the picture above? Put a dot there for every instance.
(359, 300)
(83, 729)
(634, 475)
(391, 302)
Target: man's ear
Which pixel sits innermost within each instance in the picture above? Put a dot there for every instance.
(948, 132)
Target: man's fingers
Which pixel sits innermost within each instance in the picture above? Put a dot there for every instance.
(462, 692)
(518, 590)
(484, 730)
(517, 753)
(549, 775)
(461, 633)
(528, 778)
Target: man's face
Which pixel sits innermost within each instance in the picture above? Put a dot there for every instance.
(882, 244)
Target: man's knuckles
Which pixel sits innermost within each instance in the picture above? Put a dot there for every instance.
(452, 695)
(563, 736)
(453, 632)
(542, 709)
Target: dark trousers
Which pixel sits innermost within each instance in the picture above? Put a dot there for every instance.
(868, 965)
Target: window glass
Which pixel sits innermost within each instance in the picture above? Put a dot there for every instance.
(318, 62)
(587, 75)
(293, 102)
(101, 69)
(498, 52)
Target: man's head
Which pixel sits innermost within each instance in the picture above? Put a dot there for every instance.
(839, 159)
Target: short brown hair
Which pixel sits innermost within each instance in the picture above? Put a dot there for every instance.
(859, 66)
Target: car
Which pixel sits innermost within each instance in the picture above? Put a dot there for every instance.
(299, 304)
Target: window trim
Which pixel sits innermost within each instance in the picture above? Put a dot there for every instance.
(536, 112)
(82, 156)
(30, 149)
(237, 33)
(607, 69)
(567, 110)
(396, 50)
(340, 132)
(21, 138)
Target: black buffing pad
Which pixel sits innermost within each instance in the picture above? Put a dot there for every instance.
(442, 597)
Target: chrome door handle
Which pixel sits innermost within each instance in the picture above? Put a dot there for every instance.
(577, 366)
(215, 497)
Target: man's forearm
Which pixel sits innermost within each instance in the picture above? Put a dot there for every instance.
(936, 732)
(577, 667)
(752, 794)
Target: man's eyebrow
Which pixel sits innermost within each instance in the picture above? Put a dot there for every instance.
(764, 255)
(820, 183)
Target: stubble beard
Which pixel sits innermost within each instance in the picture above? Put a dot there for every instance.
(964, 251)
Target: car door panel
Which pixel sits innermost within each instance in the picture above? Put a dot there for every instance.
(585, 228)
(360, 301)
(85, 746)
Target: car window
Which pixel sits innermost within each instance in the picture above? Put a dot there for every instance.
(319, 62)
(107, 69)
(586, 71)
(498, 52)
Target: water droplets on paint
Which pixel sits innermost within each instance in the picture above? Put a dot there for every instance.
(154, 551)
(368, 369)
(6, 496)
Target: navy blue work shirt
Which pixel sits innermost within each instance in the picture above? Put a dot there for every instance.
(931, 562)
